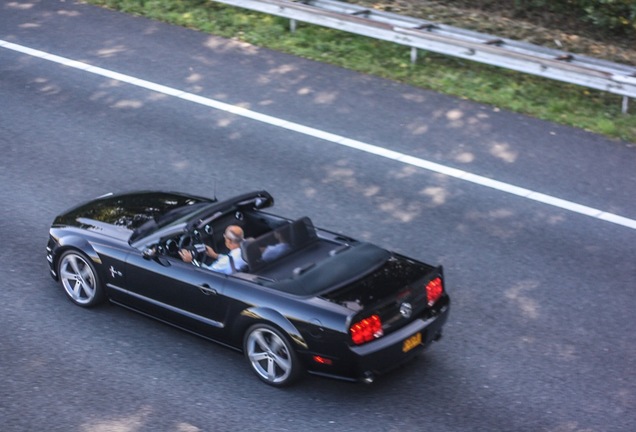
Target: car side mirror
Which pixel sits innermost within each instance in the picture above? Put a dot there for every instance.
(150, 253)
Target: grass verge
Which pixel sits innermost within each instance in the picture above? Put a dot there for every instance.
(596, 111)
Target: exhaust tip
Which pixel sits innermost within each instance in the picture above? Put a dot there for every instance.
(368, 377)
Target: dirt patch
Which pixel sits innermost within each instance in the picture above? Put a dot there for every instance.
(546, 30)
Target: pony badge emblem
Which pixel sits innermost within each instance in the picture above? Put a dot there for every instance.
(406, 310)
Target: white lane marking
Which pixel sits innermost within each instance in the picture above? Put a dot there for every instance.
(336, 139)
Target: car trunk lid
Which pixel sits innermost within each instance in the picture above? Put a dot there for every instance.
(397, 293)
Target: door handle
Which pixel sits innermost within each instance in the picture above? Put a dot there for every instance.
(205, 289)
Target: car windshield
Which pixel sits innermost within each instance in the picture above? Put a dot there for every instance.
(175, 216)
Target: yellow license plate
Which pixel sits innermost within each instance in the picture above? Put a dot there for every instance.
(412, 342)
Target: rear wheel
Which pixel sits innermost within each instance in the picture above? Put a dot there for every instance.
(79, 279)
(271, 356)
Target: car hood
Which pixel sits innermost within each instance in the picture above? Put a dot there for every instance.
(119, 215)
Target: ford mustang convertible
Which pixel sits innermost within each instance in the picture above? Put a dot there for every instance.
(324, 303)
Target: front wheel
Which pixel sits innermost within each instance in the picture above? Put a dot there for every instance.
(270, 355)
(79, 279)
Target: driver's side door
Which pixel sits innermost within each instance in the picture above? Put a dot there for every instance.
(178, 292)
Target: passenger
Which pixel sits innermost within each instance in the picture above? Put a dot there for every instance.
(277, 250)
(223, 263)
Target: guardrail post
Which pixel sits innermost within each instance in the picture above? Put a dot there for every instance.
(292, 25)
(625, 106)
(413, 55)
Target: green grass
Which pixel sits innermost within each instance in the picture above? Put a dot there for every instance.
(577, 106)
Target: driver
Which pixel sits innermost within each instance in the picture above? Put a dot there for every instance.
(223, 263)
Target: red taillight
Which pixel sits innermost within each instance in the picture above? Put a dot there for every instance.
(366, 330)
(434, 290)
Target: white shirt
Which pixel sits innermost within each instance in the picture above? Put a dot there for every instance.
(275, 251)
(223, 265)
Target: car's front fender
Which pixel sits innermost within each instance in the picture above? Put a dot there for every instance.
(77, 242)
(59, 244)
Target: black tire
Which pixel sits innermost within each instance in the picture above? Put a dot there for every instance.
(79, 279)
(271, 356)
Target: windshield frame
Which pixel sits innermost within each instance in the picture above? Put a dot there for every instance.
(168, 226)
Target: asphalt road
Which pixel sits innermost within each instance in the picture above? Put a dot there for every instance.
(541, 334)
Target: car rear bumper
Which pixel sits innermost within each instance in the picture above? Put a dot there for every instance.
(365, 362)
(392, 350)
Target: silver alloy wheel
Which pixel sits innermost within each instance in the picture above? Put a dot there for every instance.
(269, 356)
(78, 279)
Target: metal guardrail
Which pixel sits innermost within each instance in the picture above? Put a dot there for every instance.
(430, 36)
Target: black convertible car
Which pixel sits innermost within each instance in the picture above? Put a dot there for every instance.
(327, 304)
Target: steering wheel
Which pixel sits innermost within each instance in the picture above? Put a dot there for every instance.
(186, 239)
